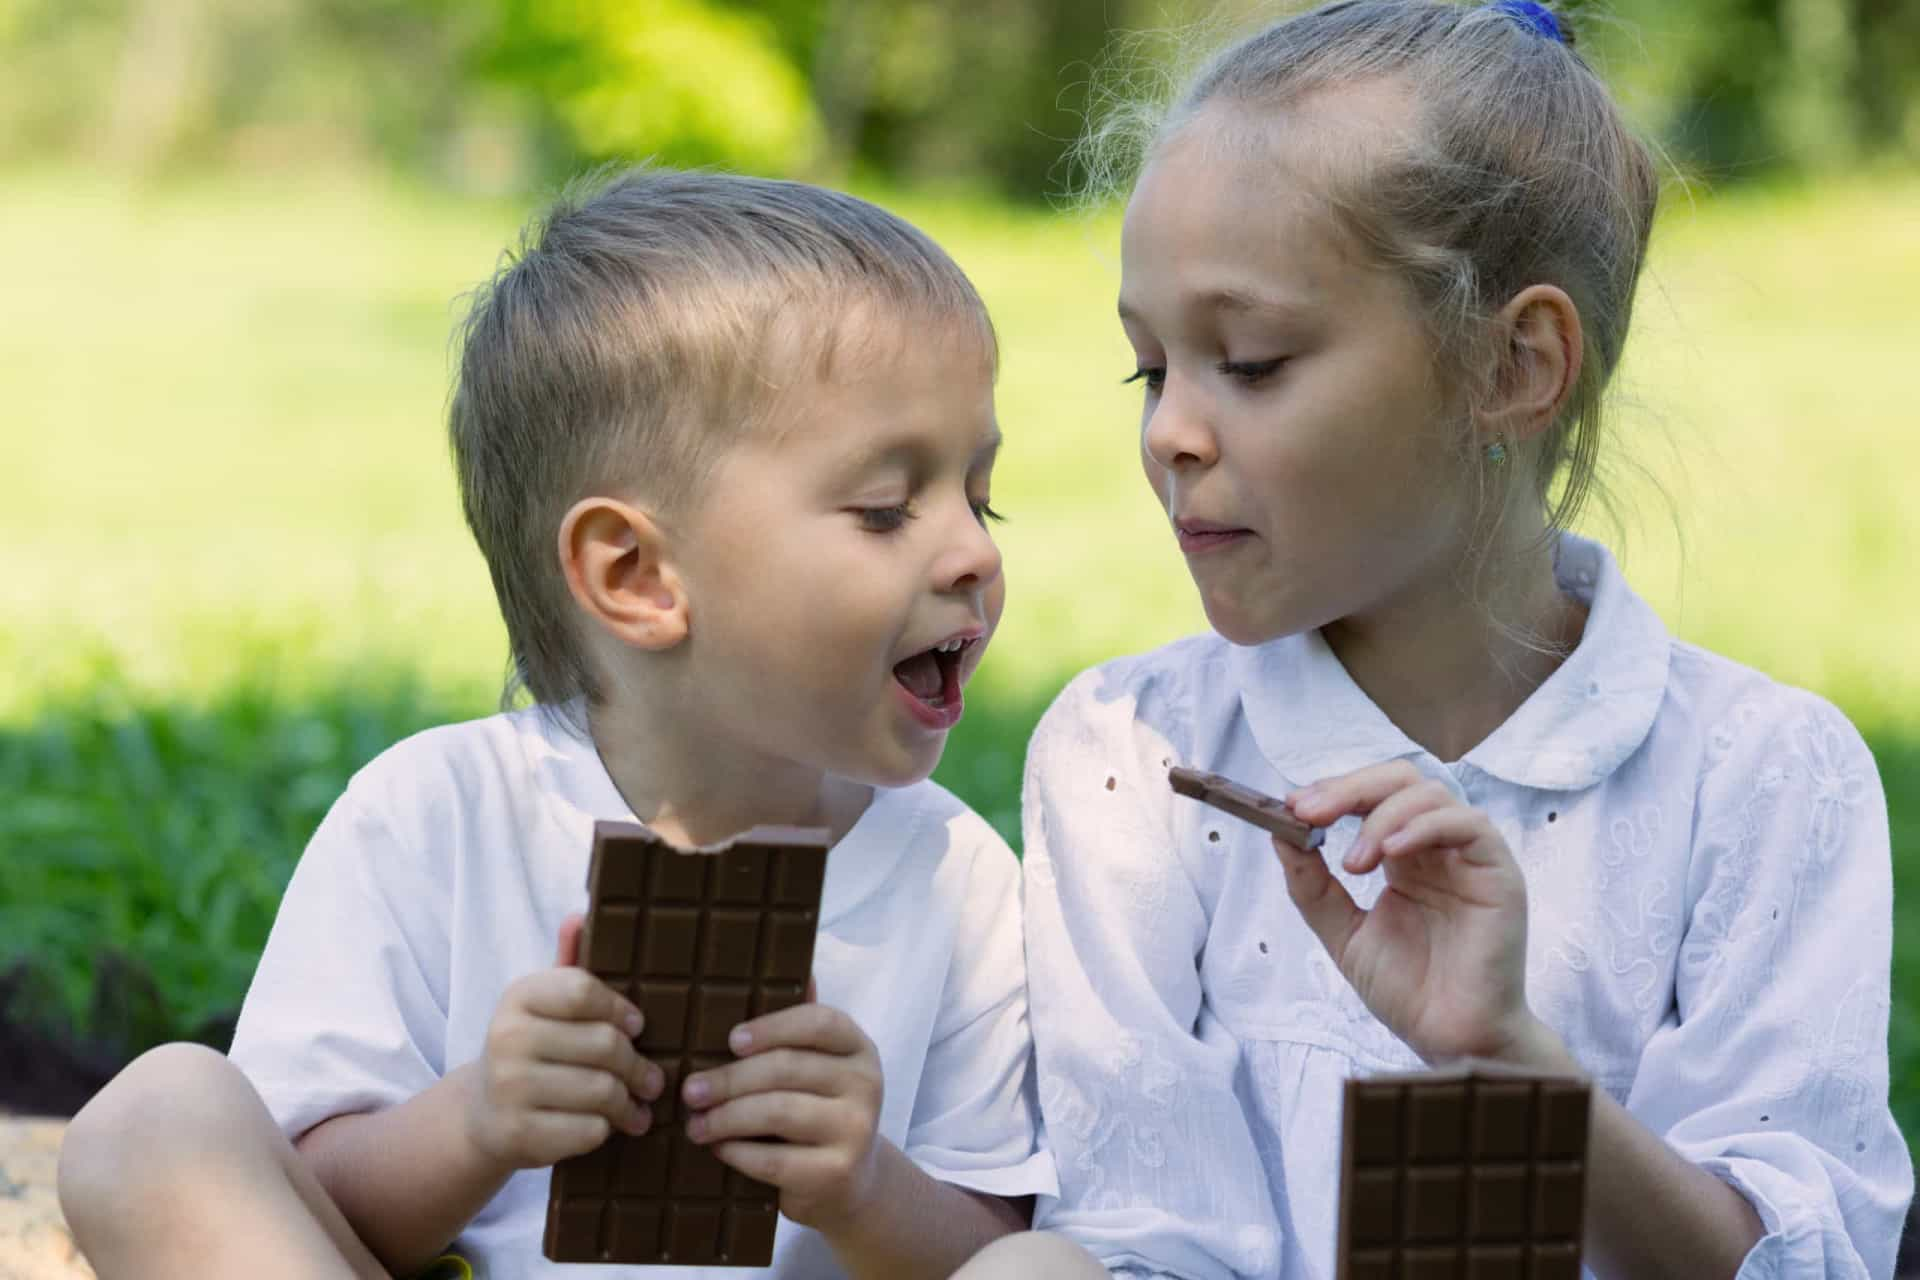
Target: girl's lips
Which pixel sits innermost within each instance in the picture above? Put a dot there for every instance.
(1196, 538)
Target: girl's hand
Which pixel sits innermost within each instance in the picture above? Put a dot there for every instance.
(800, 1110)
(1440, 958)
(559, 1072)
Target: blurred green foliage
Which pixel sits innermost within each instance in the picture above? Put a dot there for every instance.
(503, 94)
(234, 566)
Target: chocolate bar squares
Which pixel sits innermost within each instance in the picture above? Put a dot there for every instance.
(1477, 1172)
(701, 940)
(1263, 811)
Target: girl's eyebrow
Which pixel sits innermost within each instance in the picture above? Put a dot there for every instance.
(1230, 298)
(1234, 298)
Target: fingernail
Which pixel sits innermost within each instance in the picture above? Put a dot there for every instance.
(697, 1128)
(698, 1091)
(1352, 862)
(1308, 797)
(640, 1120)
(1395, 842)
(633, 1022)
(656, 1082)
(740, 1040)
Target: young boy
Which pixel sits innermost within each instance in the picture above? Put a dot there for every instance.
(726, 445)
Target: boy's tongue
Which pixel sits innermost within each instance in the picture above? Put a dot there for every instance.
(922, 676)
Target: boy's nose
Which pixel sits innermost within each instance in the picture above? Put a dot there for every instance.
(1176, 434)
(972, 562)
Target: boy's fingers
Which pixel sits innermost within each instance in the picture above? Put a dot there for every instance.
(574, 995)
(1323, 901)
(1331, 799)
(599, 1045)
(790, 1117)
(792, 1070)
(545, 1137)
(553, 1086)
(1389, 816)
(780, 1163)
(804, 1026)
(570, 941)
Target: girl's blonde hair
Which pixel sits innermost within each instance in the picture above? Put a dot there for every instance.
(1522, 170)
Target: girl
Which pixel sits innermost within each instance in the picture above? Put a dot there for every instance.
(1377, 269)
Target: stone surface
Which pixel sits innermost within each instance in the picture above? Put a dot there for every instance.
(34, 1243)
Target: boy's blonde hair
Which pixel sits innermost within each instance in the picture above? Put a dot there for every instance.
(1522, 170)
(647, 321)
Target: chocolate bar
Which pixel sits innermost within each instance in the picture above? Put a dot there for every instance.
(1476, 1172)
(701, 940)
(1262, 811)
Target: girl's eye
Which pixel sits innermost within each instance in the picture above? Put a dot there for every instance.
(983, 512)
(1251, 371)
(885, 519)
(1155, 376)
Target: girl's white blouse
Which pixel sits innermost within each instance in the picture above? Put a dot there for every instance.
(1709, 930)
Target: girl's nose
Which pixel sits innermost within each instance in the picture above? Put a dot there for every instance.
(1176, 434)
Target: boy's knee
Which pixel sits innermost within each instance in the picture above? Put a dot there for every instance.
(1032, 1255)
(165, 1102)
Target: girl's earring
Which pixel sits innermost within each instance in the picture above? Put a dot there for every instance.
(1497, 452)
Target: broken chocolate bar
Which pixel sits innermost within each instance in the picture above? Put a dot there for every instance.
(1474, 1172)
(701, 940)
(1262, 811)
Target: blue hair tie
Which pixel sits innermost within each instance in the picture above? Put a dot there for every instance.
(1536, 18)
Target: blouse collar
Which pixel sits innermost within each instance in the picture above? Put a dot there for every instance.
(1312, 721)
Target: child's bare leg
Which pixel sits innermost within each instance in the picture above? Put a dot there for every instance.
(177, 1170)
(1032, 1255)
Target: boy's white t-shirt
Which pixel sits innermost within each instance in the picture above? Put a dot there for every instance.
(444, 872)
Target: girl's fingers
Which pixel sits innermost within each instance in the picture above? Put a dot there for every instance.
(1331, 799)
(1456, 827)
(554, 1087)
(1323, 901)
(793, 1117)
(1389, 816)
(790, 1070)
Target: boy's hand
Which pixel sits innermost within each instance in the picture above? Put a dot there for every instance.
(1440, 958)
(560, 1072)
(800, 1110)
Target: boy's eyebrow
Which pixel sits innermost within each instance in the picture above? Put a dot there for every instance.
(911, 451)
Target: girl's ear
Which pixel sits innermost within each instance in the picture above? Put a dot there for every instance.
(1541, 347)
(615, 557)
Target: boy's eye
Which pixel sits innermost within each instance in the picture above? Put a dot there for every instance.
(1155, 376)
(885, 519)
(983, 511)
(1251, 371)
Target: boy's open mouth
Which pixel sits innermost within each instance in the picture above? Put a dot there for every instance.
(933, 675)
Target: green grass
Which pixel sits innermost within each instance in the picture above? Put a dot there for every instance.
(231, 563)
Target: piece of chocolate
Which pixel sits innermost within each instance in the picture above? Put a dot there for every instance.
(1474, 1172)
(701, 940)
(1262, 811)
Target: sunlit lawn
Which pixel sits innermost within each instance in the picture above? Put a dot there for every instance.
(222, 464)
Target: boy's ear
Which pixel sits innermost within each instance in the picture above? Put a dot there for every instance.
(617, 567)
(1541, 349)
